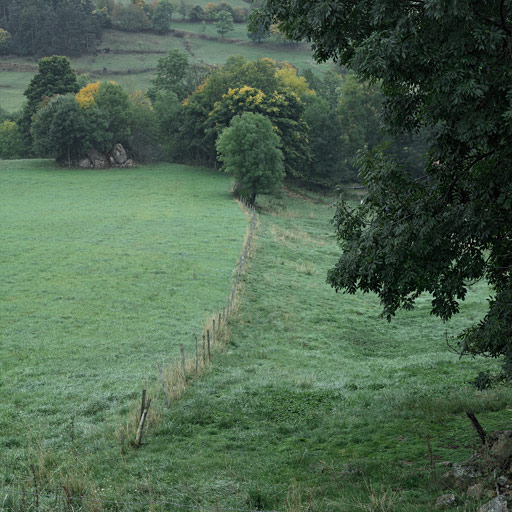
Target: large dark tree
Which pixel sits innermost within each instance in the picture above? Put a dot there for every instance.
(446, 67)
(55, 77)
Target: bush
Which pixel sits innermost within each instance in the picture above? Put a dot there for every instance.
(10, 141)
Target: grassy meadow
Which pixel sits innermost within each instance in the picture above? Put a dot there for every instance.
(315, 404)
(103, 275)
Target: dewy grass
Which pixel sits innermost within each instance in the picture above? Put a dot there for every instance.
(315, 404)
(103, 275)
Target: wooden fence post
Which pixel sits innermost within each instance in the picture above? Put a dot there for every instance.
(143, 403)
(138, 437)
(208, 344)
(204, 351)
(197, 355)
(183, 369)
(214, 333)
(164, 387)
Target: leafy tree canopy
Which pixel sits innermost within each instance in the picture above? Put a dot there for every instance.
(162, 14)
(284, 110)
(446, 66)
(224, 23)
(55, 76)
(249, 149)
(42, 27)
(249, 78)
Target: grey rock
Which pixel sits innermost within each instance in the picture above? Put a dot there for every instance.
(119, 154)
(502, 480)
(99, 160)
(446, 501)
(84, 163)
(460, 476)
(502, 451)
(498, 504)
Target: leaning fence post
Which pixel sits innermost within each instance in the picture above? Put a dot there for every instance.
(204, 351)
(208, 344)
(143, 403)
(138, 437)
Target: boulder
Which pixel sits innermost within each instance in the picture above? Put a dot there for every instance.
(99, 160)
(460, 476)
(498, 504)
(446, 501)
(501, 451)
(84, 163)
(129, 163)
(119, 154)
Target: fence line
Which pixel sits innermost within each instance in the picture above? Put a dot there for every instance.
(173, 381)
(174, 378)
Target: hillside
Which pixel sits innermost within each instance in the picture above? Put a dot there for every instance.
(315, 404)
(131, 58)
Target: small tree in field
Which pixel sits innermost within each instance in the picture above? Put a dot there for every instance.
(224, 23)
(249, 149)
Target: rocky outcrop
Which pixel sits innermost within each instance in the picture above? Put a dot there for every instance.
(117, 158)
(498, 504)
(446, 501)
(119, 154)
(485, 475)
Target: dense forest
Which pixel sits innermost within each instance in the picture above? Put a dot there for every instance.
(73, 27)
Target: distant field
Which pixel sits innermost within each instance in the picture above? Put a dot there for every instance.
(135, 70)
(239, 32)
(103, 275)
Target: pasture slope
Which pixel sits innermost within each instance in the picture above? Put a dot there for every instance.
(315, 404)
(103, 275)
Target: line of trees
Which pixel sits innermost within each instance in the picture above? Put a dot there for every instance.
(322, 119)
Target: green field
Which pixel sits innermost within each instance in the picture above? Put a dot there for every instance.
(133, 58)
(315, 400)
(103, 275)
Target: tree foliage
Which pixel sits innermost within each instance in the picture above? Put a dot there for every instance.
(41, 27)
(249, 149)
(237, 87)
(162, 14)
(130, 17)
(55, 76)
(10, 141)
(59, 129)
(224, 23)
(444, 67)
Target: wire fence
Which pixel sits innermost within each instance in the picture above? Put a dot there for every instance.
(33, 496)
